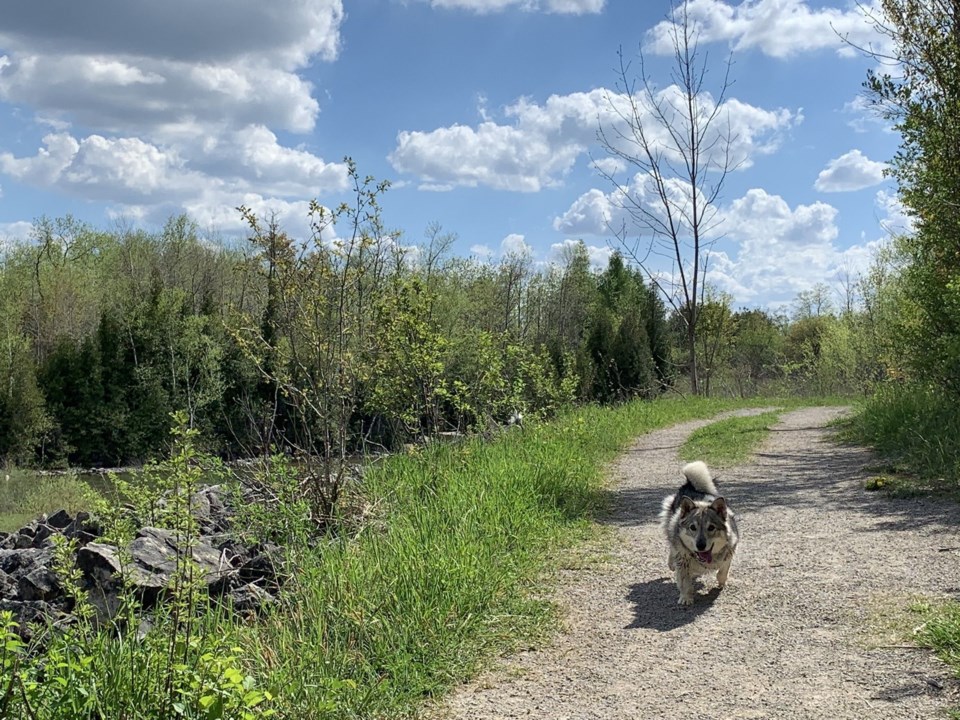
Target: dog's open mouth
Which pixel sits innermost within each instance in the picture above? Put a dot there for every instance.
(705, 557)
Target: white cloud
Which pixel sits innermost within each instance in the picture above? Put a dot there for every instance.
(610, 166)
(484, 252)
(759, 218)
(515, 244)
(778, 28)
(543, 142)
(590, 214)
(779, 251)
(15, 232)
(181, 100)
(864, 117)
(765, 250)
(851, 171)
(566, 7)
(893, 215)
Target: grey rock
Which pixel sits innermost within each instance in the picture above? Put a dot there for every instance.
(249, 598)
(39, 584)
(99, 563)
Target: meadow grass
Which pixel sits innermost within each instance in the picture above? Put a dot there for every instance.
(729, 442)
(916, 430)
(939, 630)
(25, 495)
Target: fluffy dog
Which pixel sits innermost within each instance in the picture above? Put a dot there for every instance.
(701, 531)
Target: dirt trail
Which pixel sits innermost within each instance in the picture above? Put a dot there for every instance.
(784, 640)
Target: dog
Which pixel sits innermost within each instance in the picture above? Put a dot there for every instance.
(701, 531)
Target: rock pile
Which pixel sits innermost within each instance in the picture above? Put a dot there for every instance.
(246, 577)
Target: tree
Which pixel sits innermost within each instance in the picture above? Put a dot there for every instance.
(678, 142)
(922, 97)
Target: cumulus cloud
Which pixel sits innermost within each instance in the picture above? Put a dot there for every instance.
(180, 99)
(565, 7)
(851, 171)
(12, 233)
(541, 144)
(484, 252)
(778, 28)
(515, 244)
(864, 117)
(764, 249)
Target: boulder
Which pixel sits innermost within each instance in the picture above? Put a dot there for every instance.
(59, 520)
(40, 583)
(155, 554)
(99, 563)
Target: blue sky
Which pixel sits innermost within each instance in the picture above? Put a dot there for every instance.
(482, 113)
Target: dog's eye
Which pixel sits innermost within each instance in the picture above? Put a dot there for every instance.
(693, 526)
(711, 528)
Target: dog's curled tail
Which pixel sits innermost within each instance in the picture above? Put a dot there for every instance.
(698, 474)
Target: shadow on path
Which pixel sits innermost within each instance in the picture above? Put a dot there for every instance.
(821, 474)
(649, 599)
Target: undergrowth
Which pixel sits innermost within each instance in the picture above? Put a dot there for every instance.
(916, 430)
(940, 631)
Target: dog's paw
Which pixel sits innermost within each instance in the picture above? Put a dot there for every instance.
(685, 600)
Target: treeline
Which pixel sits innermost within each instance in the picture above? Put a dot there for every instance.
(308, 345)
(329, 345)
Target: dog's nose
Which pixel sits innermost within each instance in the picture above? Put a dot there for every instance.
(701, 544)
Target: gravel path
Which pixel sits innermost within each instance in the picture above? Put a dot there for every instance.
(786, 639)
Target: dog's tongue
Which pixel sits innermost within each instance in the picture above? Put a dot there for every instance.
(705, 557)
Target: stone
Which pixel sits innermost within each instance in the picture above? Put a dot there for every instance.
(155, 554)
(99, 563)
(39, 584)
(59, 520)
(8, 586)
(249, 598)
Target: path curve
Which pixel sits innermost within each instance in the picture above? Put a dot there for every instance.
(784, 640)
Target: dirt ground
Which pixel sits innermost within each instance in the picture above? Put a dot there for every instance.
(794, 633)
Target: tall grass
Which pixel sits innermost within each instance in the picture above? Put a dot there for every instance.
(917, 429)
(24, 495)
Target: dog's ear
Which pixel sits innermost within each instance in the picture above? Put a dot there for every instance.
(686, 505)
(719, 506)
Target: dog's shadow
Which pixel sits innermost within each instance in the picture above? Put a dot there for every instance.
(655, 605)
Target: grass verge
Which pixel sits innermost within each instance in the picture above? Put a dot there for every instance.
(729, 442)
(380, 623)
(939, 629)
(916, 430)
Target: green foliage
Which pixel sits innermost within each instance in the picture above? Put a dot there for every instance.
(184, 663)
(923, 99)
(405, 382)
(940, 631)
(23, 418)
(437, 582)
(915, 427)
(24, 496)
